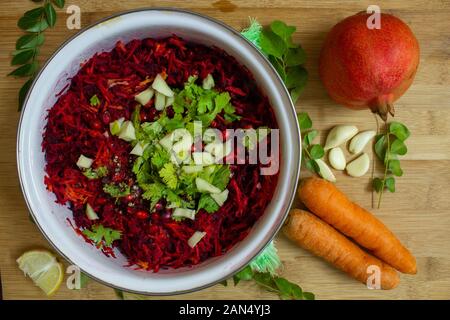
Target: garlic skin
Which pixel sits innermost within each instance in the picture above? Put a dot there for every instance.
(325, 171)
(360, 141)
(359, 166)
(339, 135)
(336, 158)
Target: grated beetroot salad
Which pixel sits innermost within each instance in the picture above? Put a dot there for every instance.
(149, 237)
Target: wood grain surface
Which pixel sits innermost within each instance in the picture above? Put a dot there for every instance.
(418, 212)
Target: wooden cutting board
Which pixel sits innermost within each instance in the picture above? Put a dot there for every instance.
(419, 212)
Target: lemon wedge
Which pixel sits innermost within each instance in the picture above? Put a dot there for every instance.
(43, 268)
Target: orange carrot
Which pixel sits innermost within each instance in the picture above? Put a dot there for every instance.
(314, 235)
(333, 206)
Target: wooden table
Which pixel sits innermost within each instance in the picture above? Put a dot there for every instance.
(418, 212)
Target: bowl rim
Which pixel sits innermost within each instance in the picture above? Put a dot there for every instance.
(291, 108)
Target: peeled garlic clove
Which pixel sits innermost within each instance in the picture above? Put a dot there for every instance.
(337, 159)
(325, 171)
(359, 141)
(359, 166)
(339, 135)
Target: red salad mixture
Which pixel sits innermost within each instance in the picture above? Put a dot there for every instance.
(143, 228)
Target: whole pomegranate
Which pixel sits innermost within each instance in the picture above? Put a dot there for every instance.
(369, 68)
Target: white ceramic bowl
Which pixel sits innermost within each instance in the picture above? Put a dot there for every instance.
(51, 217)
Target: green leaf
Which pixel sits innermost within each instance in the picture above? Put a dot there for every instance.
(277, 64)
(38, 27)
(25, 70)
(295, 57)
(296, 92)
(117, 190)
(317, 151)
(169, 175)
(310, 136)
(390, 184)
(312, 166)
(296, 77)
(304, 121)
(297, 292)
(399, 130)
(119, 294)
(245, 274)
(22, 57)
(101, 235)
(377, 184)
(266, 280)
(30, 41)
(205, 103)
(94, 101)
(398, 147)
(97, 173)
(222, 99)
(308, 296)
(23, 92)
(394, 167)
(282, 30)
(272, 44)
(283, 285)
(153, 192)
(224, 283)
(208, 203)
(380, 146)
(32, 24)
(34, 13)
(160, 157)
(59, 3)
(50, 14)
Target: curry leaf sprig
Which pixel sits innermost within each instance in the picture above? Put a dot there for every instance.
(285, 289)
(34, 22)
(310, 152)
(388, 146)
(287, 57)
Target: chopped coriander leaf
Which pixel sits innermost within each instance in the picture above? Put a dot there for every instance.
(156, 173)
(169, 175)
(151, 129)
(117, 191)
(222, 100)
(101, 235)
(160, 157)
(153, 192)
(94, 101)
(207, 202)
(170, 124)
(96, 173)
(221, 176)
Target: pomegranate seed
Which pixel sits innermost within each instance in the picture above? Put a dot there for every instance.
(170, 112)
(152, 114)
(101, 201)
(167, 214)
(141, 214)
(158, 206)
(97, 125)
(129, 198)
(106, 117)
(143, 116)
